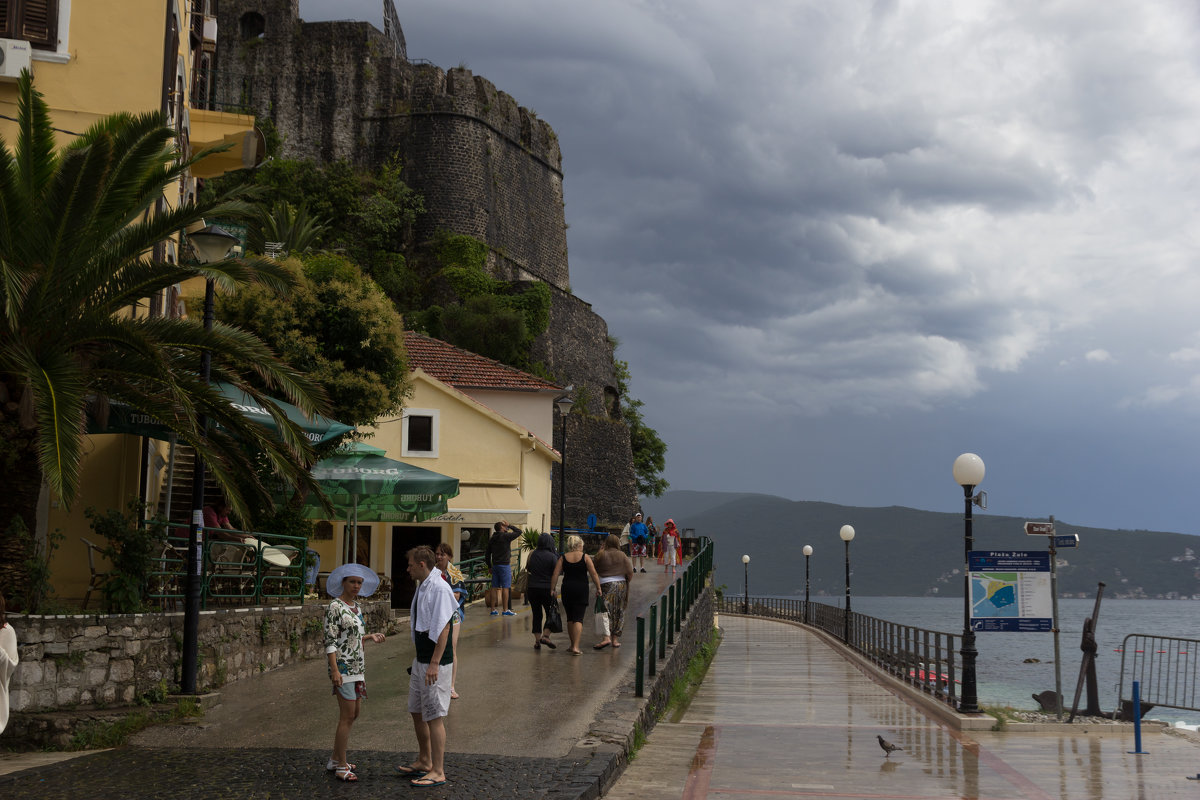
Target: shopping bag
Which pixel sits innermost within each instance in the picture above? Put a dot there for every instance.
(554, 622)
(602, 624)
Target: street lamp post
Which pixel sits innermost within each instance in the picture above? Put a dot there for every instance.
(746, 586)
(968, 473)
(807, 552)
(212, 243)
(847, 534)
(563, 404)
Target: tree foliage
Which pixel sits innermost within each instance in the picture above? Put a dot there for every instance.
(649, 451)
(78, 231)
(337, 326)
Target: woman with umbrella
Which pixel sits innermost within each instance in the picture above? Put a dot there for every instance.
(345, 635)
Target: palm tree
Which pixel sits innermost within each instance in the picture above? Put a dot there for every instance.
(77, 233)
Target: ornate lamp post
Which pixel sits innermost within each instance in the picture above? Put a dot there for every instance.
(968, 473)
(210, 244)
(563, 404)
(847, 534)
(746, 585)
(807, 552)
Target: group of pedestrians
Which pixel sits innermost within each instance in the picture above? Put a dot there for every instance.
(437, 612)
(645, 542)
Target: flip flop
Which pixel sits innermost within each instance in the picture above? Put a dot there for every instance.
(426, 782)
(453, 695)
(601, 646)
(549, 644)
(410, 772)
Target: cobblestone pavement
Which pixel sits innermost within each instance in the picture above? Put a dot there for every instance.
(282, 774)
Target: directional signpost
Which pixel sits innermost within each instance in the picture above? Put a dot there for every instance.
(1039, 528)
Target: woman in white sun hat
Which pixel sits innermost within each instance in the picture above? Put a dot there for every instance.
(345, 635)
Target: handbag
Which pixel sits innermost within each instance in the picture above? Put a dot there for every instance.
(601, 612)
(521, 584)
(554, 622)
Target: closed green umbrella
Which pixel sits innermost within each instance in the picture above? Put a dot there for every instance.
(123, 419)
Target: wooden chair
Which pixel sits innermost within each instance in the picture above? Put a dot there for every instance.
(97, 578)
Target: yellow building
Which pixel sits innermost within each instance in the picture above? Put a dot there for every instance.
(90, 59)
(474, 419)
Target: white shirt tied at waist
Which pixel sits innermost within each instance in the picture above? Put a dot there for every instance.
(432, 606)
(612, 579)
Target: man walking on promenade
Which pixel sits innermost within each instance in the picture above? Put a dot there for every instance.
(432, 669)
(499, 558)
(639, 538)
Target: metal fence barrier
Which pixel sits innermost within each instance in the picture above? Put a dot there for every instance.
(925, 659)
(1167, 669)
(668, 612)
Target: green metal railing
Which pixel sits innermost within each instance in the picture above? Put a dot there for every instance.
(232, 572)
(667, 614)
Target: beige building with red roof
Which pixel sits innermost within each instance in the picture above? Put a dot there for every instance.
(477, 420)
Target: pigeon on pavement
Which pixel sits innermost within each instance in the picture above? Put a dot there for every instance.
(887, 746)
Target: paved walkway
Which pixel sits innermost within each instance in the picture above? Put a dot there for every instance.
(782, 714)
(514, 732)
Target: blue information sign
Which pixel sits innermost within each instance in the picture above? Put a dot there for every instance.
(1010, 590)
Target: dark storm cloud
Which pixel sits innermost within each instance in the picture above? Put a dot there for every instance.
(888, 220)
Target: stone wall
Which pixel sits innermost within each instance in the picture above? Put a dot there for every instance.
(114, 660)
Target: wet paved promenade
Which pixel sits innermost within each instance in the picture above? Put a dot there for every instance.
(515, 731)
(782, 714)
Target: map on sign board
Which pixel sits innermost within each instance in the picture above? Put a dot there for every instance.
(1010, 591)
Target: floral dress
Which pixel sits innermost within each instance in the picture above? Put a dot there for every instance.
(344, 632)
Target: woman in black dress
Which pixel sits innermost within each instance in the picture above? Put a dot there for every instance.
(540, 566)
(575, 566)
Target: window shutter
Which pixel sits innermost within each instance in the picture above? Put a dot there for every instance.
(6, 25)
(37, 21)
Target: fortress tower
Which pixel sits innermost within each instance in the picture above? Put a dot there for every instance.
(487, 168)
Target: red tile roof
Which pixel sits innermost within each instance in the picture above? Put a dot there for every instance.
(463, 369)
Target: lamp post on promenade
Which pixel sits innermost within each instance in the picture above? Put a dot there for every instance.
(968, 473)
(746, 585)
(847, 534)
(563, 404)
(212, 243)
(807, 553)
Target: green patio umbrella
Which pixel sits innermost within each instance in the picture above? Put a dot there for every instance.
(370, 487)
(123, 419)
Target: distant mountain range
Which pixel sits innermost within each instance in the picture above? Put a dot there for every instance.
(901, 551)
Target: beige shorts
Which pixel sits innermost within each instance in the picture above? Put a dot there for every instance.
(431, 701)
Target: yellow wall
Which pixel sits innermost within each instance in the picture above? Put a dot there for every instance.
(116, 64)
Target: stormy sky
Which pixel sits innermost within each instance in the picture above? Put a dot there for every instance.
(841, 243)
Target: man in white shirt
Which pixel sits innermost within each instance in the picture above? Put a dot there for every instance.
(432, 669)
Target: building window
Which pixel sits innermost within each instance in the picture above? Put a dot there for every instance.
(35, 21)
(420, 433)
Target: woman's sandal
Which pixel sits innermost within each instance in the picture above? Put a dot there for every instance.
(331, 765)
(549, 644)
(345, 774)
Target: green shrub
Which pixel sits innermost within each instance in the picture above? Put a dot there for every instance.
(133, 549)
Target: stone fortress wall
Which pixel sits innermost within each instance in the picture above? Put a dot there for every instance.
(487, 168)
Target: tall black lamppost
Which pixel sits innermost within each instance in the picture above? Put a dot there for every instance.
(968, 473)
(807, 553)
(746, 586)
(563, 404)
(210, 244)
(847, 534)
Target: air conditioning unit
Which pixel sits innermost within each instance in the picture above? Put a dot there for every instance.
(14, 57)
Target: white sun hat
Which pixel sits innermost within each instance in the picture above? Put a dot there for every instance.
(370, 580)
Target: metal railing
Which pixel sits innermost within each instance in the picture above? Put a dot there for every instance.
(1167, 669)
(667, 614)
(232, 572)
(925, 659)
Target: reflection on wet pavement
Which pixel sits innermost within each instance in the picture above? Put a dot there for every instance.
(783, 714)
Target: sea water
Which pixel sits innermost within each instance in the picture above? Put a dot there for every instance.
(1012, 667)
